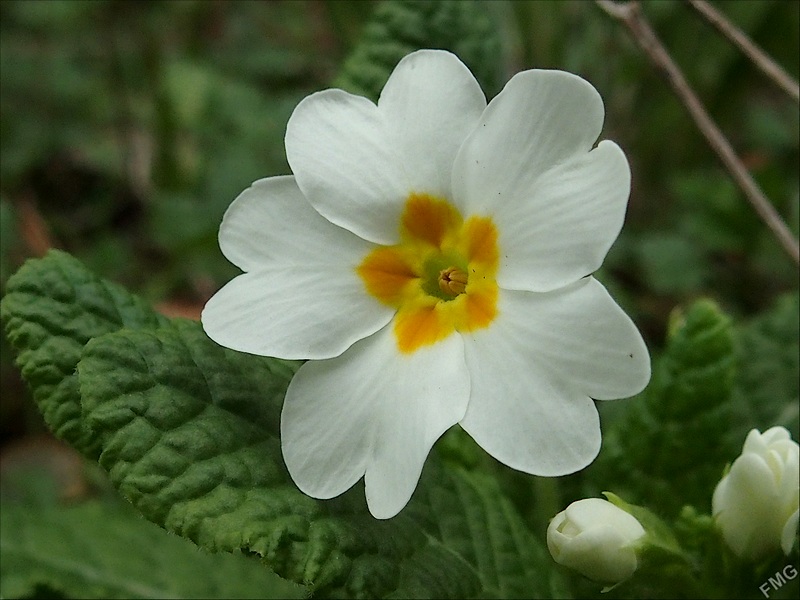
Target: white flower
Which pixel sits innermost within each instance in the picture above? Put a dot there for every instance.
(597, 539)
(756, 503)
(431, 256)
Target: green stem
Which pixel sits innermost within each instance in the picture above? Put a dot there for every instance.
(547, 496)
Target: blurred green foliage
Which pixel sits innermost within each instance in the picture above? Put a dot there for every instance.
(99, 547)
(130, 127)
(398, 28)
(127, 128)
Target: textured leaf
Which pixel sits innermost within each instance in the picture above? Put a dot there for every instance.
(52, 307)
(399, 27)
(673, 433)
(190, 435)
(104, 550)
(467, 511)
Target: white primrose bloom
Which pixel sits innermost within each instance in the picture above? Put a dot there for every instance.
(595, 538)
(431, 257)
(755, 504)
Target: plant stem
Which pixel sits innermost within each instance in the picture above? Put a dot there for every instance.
(547, 496)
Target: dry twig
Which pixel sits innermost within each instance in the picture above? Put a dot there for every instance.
(630, 14)
(738, 38)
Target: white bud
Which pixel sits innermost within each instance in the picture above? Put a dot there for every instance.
(756, 504)
(597, 539)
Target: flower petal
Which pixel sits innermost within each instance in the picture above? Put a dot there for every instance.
(562, 227)
(535, 370)
(375, 411)
(314, 313)
(540, 119)
(261, 228)
(342, 156)
(789, 532)
(595, 512)
(601, 554)
(430, 104)
(744, 505)
(527, 422)
(358, 162)
(582, 336)
(302, 297)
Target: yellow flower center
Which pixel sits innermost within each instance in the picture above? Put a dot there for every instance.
(440, 277)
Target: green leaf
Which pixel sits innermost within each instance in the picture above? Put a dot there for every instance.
(101, 549)
(52, 307)
(189, 432)
(399, 27)
(674, 431)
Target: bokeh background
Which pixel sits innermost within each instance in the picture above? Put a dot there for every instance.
(127, 128)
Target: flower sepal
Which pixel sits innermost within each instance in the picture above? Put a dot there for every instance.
(658, 535)
(659, 551)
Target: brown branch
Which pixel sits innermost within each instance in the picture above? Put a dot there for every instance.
(738, 38)
(630, 14)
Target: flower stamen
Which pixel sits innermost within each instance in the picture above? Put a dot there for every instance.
(452, 281)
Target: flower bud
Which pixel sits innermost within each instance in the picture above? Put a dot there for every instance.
(755, 504)
(597, 539)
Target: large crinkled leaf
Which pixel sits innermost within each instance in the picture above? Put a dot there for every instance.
(52, 307)
(98, 549)
(674, 430)
(468, 513)
(189, 432)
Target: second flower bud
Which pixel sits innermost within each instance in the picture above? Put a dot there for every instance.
(597, 539)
